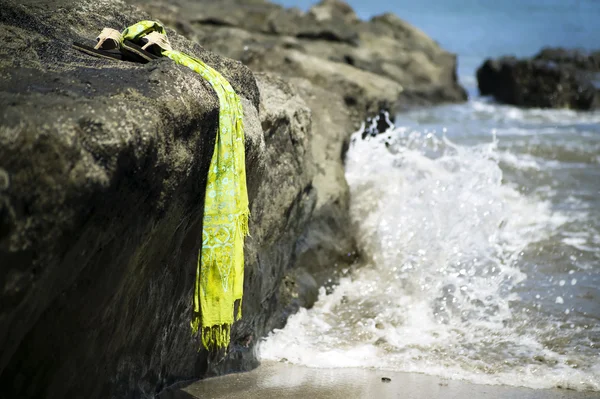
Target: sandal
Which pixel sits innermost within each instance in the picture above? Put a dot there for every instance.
(156, 39)
(109, 41)
(153, 44)
(111, 46)
(136, 51)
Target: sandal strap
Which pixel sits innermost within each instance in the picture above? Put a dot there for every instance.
(108, 39)
(158, 39)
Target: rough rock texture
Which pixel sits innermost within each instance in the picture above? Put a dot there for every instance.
(103, 169)
(102, 176)
(327, 244)
(554, 78)
(382, 62)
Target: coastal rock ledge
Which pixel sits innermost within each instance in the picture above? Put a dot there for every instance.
(102, 177)
(554, 78)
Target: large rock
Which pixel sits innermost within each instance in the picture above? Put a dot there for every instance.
(103, 169)
(102, 176)
(327, 244)
(554, 78)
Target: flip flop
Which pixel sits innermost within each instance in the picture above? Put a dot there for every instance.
(107, 46)
(112, 55)
(108, 39)
(157, 42)
(130, 49)
(152, 46)
(110, 46)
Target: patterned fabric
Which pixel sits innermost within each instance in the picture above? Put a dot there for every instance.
(220, 269)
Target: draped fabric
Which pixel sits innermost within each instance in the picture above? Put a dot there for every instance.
(220, 268)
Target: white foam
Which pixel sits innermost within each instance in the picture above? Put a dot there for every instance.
(520, 161)
(486, 109)
(444, 237)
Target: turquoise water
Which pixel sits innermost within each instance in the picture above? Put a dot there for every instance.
(480, 223)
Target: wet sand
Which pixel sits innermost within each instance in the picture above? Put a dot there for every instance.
(279, 380)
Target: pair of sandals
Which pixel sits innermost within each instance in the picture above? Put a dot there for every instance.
(111, 45)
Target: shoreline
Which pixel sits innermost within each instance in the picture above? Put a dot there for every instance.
(277, 380)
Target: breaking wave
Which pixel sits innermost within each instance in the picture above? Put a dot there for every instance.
(455, 280)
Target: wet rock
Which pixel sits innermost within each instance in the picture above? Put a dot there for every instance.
(100, 216)
(378, 124)
(327, 243)
(4, 180)
(298, 290)
(587, 61)
(554, 78)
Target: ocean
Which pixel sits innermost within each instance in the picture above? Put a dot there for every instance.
(480, 222)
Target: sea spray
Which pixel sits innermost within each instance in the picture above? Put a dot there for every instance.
(446, 238)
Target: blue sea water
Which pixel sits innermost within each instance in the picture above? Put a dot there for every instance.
(480, 222)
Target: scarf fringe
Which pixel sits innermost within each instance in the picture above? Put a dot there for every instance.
(195, 324)
(243, 229)
(242, 223)
(216, 337)
(239, 312)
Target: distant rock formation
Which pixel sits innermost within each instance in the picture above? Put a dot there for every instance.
(554, 78)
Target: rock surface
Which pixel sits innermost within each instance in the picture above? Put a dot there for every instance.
(103, 170)
(554, 78)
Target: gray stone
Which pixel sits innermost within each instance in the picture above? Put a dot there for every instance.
(100, 221)
(554, 78)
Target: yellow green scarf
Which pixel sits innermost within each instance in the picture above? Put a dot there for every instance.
(220, 269)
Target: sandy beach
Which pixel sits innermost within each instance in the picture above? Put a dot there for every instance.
(280, 380)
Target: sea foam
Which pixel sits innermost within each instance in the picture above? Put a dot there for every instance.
(443, 236)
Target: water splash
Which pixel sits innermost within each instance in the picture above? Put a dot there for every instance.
(445, 238)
